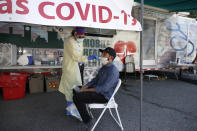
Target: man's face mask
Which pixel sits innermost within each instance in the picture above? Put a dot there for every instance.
(80, 40)
(104, 60)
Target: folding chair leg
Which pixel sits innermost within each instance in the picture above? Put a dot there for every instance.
(117, 121)
(113, 116)
(89, 112)
(98, 119)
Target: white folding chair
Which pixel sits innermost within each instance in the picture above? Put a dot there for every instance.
(110, 104)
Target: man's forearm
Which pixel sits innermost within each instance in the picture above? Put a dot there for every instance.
(88, 90)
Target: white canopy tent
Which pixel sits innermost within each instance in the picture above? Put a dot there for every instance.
(111, 14)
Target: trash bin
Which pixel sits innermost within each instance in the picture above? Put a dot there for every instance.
(52, 82)
(13, 85)
(36, 83)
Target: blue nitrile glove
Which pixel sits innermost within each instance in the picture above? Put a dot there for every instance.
(80, 63)
(92, 57)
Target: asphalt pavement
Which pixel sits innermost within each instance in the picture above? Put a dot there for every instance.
(169, 105)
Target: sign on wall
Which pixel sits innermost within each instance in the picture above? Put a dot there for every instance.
(110, 14)
(176, 40)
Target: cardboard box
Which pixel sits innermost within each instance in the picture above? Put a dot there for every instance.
(36, 83)
(52, 82)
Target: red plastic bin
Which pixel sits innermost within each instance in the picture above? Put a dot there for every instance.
(13, 85)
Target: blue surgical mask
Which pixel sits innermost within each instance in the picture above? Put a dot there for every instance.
(80, 40)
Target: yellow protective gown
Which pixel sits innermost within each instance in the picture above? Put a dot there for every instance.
(73, 53)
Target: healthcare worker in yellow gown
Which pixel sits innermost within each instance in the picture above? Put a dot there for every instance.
(73, 53)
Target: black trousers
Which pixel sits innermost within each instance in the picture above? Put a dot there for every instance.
(82, 98)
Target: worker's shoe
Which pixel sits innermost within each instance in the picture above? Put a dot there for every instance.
(68, 103)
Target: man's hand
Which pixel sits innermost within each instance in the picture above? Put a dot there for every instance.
(84, 88)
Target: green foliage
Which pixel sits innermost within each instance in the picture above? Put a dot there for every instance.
(193, 15)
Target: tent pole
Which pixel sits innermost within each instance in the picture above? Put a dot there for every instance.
(141, 61)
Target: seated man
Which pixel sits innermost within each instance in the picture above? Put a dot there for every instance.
(99, 89)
